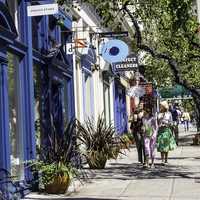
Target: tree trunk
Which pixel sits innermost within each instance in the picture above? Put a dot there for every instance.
(197, 110)
(171, 61)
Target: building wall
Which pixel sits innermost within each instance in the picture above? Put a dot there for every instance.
(85, 24)
(27, 44)
(20, 73)
(103, 77)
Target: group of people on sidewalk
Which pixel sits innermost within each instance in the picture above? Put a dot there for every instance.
(180, 116)
(151, 130)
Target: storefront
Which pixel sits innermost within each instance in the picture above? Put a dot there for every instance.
(36, 82)
(16, 114)
(53, 72)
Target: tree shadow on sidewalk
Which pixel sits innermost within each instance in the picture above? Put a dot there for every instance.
(90, 199)
(71, 198)
(185, 141)
(132, 171)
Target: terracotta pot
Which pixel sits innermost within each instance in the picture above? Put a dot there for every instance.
(97, 162)
(196, 139)
(59, 185)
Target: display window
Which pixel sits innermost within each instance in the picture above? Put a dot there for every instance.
(15, 119)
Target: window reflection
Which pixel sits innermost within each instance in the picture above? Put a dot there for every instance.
(15, 127)
(65, 101)
(106, 89)
(37, 104)
(88, 97)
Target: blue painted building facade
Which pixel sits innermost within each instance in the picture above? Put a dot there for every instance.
(36, 82)
(120, 110)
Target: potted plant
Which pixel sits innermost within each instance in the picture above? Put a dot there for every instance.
(55, 177)
(55, 167)
(196, 139)
(98, 141)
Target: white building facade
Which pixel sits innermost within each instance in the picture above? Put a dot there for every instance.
(93, 86)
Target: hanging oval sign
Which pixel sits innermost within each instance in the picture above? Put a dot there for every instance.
(114, 51)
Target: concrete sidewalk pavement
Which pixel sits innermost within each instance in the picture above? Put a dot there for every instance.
(124, 179)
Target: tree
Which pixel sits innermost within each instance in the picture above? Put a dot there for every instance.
(168, 32)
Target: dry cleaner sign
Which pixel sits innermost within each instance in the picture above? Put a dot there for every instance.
(46, 9)
(129, 64)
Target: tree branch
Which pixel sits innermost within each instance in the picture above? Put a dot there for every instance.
(172, 62)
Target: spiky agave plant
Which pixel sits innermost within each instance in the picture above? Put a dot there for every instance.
(98, 140)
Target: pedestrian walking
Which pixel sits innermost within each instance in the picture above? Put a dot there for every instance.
(136, 128)
(175, 118)
(186, 120)
(165, 138)
(149, 129)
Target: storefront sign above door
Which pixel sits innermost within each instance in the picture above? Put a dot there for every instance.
(46, 9)
(129, 64)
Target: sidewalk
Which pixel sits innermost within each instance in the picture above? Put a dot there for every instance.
(123, 179)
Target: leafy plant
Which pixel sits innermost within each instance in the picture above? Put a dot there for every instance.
(56, 157)
(99, 141)
(49, 171)
(61, 145)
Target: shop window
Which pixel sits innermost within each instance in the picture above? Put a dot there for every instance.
(88, 96)
(65, 101)
(15, 120)
(37, 104)
(35, 32)
(78, 84)
(106, 92)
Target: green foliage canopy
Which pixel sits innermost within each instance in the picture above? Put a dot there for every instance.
(167, 27)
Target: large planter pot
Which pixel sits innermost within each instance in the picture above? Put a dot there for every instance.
(196, 139)
(96, 161)
(59, 185)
